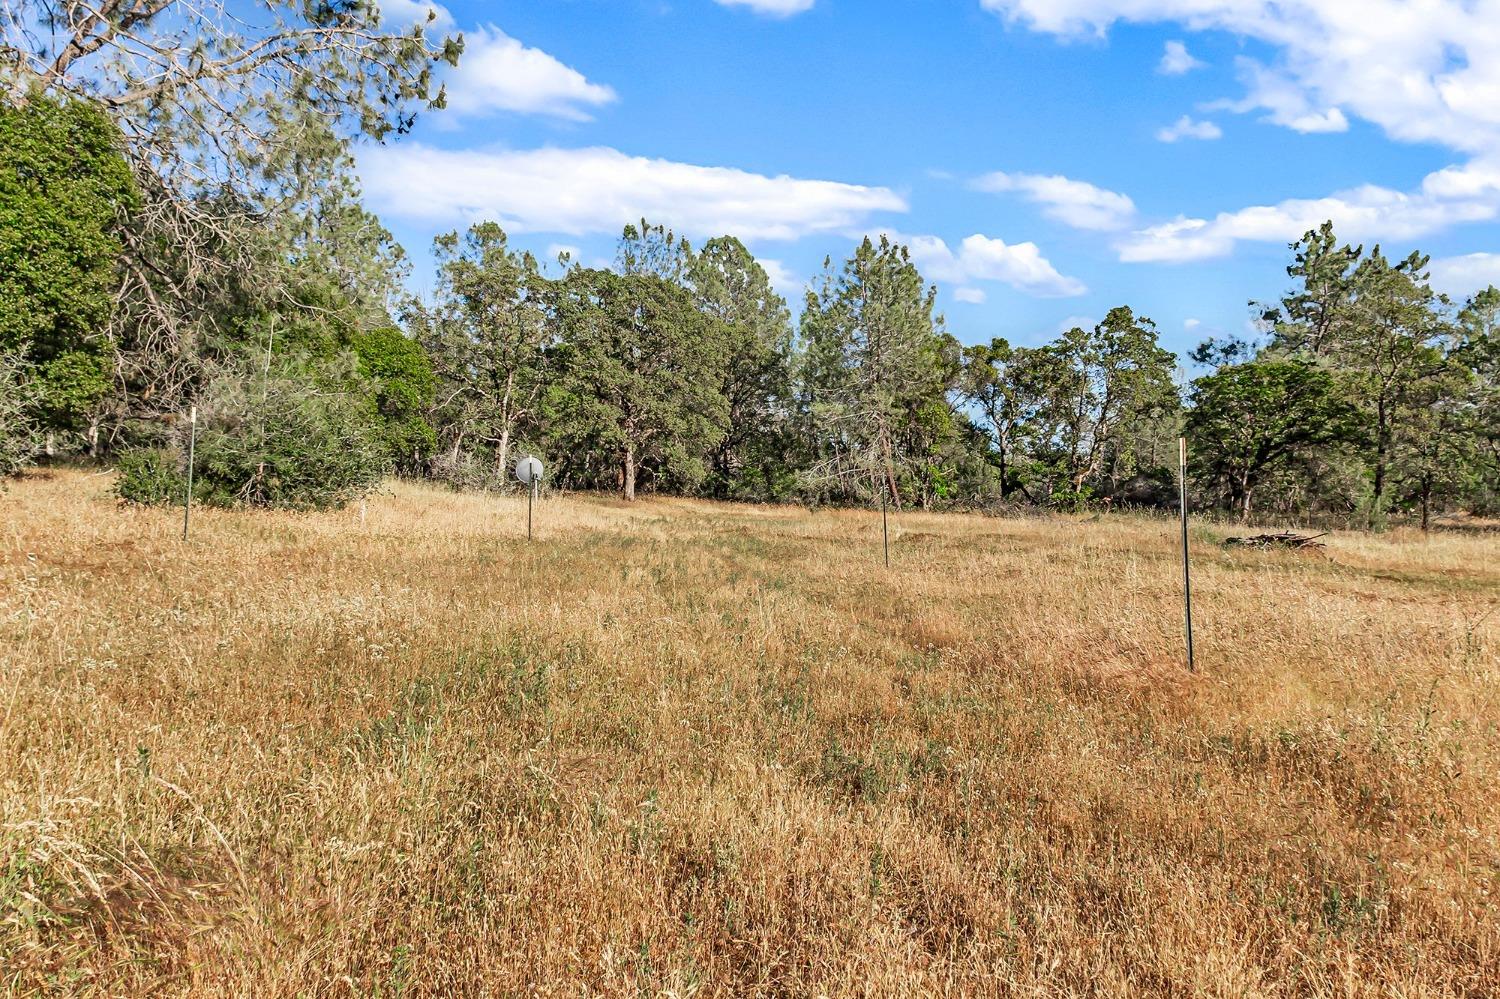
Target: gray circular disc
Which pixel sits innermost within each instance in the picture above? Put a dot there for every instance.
(529, 470)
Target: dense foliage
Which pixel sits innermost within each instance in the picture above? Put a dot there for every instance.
(289, 436)
(149, 268)
(679, 370)
(65, 196)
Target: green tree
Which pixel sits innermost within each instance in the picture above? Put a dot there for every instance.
(488, 335)
(304, 272)
(1313, 315)
(1247, 419)
(235, 120)
(1444, 450)
(641, 370)
(65, 193)
(1435, 450)
(1110, 403)
(732, 288)
(1478, 351)
(656, 250)
(876, 361)
(404, 383)
(289, 436)
(1001, 382)
(1379, 324)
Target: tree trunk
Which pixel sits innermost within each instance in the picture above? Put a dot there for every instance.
(1381, 446)
(506, 419)
(889, 458)
(628, 478)
(1426, 501)
(1245, 498)
(503, 455)
(1003, 450)
(893, 490)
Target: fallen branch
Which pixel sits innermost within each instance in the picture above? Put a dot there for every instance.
(1286, 539)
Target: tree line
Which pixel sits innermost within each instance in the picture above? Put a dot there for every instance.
(682, 370)
(190, 238)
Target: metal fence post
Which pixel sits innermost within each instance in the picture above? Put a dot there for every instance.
(1187, 578)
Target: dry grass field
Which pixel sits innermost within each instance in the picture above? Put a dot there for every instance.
(684, 749)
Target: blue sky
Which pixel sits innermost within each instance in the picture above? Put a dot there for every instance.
(1046, 159)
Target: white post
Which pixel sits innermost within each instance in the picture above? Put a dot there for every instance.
(187, 499)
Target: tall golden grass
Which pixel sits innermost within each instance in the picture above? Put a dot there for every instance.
(686, 749)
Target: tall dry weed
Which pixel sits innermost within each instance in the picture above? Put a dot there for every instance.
(686, 749)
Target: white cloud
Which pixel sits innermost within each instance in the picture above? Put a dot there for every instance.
(1177, 60)
(1177, 241)
(982, 258)
(398, 12)
(498, 73)
(782, 278)
(970, 296)
(771, 8)
(1453, 195)
(1285, 102)
(1191, 324)
(1422, 70)
(1462, 276)
(1187, 128)
(598, 190)
(1072, 202)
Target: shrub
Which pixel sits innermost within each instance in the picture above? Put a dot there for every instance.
(150, 476)
(293, 438)
(20, 438)
(472, 472)
(404, 385)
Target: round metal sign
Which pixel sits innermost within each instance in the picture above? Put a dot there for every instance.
(529, 470)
